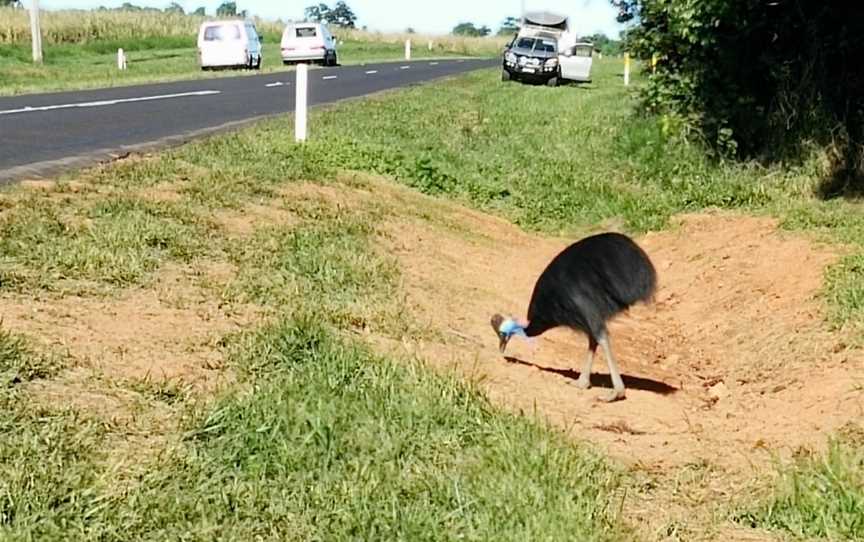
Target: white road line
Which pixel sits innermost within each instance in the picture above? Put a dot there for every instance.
(102, 103)
(433, 63)
(370, 72)
(404, 67)
(276, 84)
(326, 77)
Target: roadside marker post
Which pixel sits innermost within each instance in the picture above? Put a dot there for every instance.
(121, 59)
(654, 59)
(626, 69)
(300, 102)
(36, 31)
(407, 49)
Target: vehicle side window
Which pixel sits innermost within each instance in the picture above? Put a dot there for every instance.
(582, 51)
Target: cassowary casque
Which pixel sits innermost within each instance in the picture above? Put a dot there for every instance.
(584, 286)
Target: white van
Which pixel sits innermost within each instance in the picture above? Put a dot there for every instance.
(310, 42)
(232, 43)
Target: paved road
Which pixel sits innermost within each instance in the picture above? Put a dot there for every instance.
(43, 134)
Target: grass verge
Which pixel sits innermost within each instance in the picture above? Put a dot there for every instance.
(359, 444)
(334, 444)
(818, 497)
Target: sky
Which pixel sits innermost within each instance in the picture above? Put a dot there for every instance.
(434, 17)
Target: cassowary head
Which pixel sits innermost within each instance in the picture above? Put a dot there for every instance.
(506, 328)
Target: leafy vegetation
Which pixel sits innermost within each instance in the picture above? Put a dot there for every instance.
(758, 78)
(340, 14)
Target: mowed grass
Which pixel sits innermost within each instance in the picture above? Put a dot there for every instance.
(323, 439)
(319, 438)
(819, 497)
(330, 443)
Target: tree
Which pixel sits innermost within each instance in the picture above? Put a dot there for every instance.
(342, 15)
(605, 44)
(227, 9)
(468, 29)
(509, 26)
(200, 12)
(410, 30)
(10, 3)
(174, 7)
(339, 15)
(317, 14)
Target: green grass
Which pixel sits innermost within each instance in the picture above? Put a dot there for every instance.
(331, 261)
(335, 444)
(818, 497)
(59, 244)
(19, 363)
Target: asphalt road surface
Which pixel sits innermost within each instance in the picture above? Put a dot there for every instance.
(43, 134)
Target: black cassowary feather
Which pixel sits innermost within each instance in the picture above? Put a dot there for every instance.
(584, 286)
(588, 283)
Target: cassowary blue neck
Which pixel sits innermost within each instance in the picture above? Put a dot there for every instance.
(510, 327)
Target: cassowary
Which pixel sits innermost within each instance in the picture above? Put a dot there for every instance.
(584, 286)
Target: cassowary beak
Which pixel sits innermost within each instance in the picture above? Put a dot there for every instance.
(502, 341)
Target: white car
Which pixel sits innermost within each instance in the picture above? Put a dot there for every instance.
(308, 42)
(232, 43)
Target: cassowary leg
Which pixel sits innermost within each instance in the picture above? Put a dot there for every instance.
(617, 392)
(584, 381)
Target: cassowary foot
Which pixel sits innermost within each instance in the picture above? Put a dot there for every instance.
(583, 382)
(612, 396)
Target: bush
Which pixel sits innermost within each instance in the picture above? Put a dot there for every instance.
(758, 78)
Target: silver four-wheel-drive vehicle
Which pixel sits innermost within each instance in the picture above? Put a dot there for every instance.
(545, 51)
(532, 59)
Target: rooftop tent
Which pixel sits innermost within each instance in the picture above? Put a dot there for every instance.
(545, 18)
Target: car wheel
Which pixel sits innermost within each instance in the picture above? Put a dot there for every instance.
(258, 63)
(505, 75)
(552, 82)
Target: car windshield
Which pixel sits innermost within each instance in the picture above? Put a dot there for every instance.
(534, 44)
(222, 33)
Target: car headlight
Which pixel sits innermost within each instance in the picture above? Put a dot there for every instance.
(552, 62)
(510, 57)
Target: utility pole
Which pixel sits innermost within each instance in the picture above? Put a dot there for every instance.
(36, 31)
